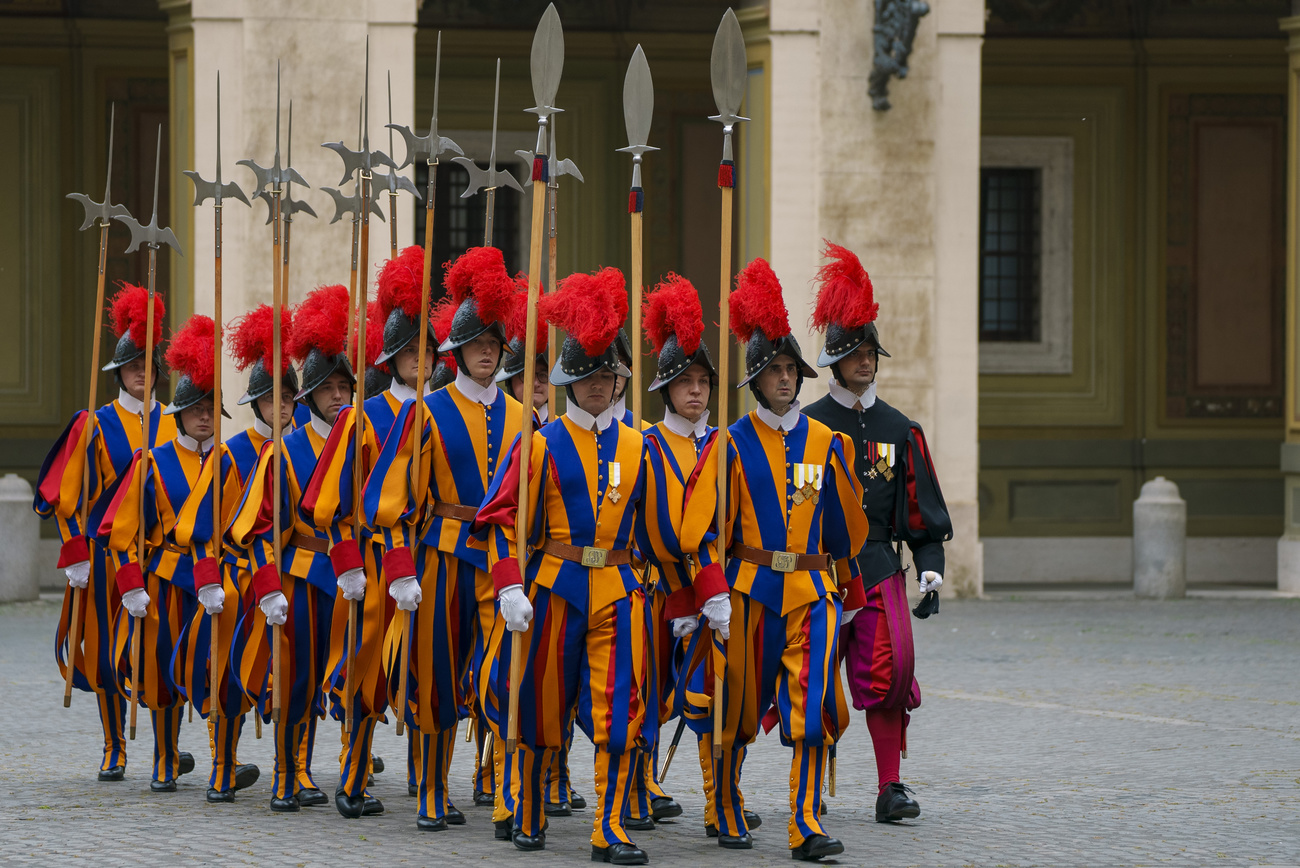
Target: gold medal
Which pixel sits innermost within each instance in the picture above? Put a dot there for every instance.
(871, 474)
(815, 497)
(889, 475)
(614, 495)
(798, 497)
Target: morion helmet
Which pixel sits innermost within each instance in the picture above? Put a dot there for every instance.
(591, 309)
(401, 282)
(190, 353)
(129, 311)
(517, 326)
(250, 341)
(846, 308)
(319, 339)
(483, 294)
(759, 319)
(674, 322)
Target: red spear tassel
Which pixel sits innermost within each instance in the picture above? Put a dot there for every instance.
(727, 174)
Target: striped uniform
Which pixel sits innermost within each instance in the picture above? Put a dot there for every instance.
(170, 474)
(783, 650)
(426, 527)
(115, 435)
(586, 645)
(307, 579)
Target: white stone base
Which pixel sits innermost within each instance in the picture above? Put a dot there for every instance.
(1109, 560)
(1288, 565)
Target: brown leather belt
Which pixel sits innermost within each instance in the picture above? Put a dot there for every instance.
(458, 511)
(170, 546)
(310, 543)
(588, 556)
(782, 562)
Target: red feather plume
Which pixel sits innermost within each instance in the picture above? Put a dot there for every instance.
(756, 304)
(517, 324)
(440, 317)
(375, 318)
(320, 322)
(400, 282)
(846, 295)
(191, 349)
(251, 336)
(129, 310)
(590, 307)
(673, 308)
(480, 273)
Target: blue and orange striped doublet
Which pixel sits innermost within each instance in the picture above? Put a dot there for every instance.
(425, 522)
(586, 645)
(307, 580)
(114, 436)
(786, 492)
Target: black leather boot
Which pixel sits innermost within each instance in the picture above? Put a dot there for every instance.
(895, 804)
(664, 809)
(349, 806)
(816, 847)
(217, 797)
(116, 773)
(619, 853)
(311, 797)
(431, 824)
(285, 806)
(246, 775)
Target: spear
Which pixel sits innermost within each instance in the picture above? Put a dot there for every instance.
(427, 148)
(729, 72)
(638, 112)
(363, 161)
(395, 182)
(103, 212)
(547, 65)
(277, 178)
(487, 180)
(153, 236)
(217, 191)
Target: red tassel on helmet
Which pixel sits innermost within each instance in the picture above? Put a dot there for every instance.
(846, 296)
(673, 308)
(756, 304)
(191, 349)
(590, 307)
(129, 309)
(250, 337)
(321, 322)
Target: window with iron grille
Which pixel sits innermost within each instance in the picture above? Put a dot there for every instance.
(458, 223)
(1010, 254)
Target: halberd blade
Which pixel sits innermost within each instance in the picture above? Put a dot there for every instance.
(547, 62)
(729, 68)
(106, 210)
(638, 100)
(151, 234)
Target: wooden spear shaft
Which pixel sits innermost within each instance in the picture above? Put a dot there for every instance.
(277, 446)
(720, 448)
(74, 627)
(146, 424)
(363, 294)
(552, 195)
(214, 662)
(635, 384)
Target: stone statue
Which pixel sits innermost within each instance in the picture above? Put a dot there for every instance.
(894, 30)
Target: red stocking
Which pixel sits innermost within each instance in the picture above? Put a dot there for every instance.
(886, 726)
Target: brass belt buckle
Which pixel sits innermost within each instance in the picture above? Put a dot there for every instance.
(784, 562)
(593, 557)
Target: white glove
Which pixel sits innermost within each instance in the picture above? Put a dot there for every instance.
(718, 610)
(930, 581)
(275, 607)
(406, 591)
(847, 616)
(213, 598)
(353, 584)
(515, 608)
(683, 627)
(78, 574)
(136, 602)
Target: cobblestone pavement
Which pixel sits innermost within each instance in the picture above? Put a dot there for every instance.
(1103, 732)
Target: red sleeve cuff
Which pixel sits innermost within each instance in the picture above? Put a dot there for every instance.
(506, 573)
(855, 597)
(129, 578)
(709, 582)
(681, 604)
(266, 581)
(207, 572)
(74, 551)
(398, 563)
(346, 555)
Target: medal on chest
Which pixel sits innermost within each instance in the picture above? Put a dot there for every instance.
(807, 483)
(615, 479)
(880, 460)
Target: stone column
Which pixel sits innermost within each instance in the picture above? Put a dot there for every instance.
(20, 529)
(320, 47)
(1288, 547)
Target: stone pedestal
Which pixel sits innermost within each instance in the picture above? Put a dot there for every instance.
(20, 530)
(1160, 542)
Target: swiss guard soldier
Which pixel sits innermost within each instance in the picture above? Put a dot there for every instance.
(300, 599)
(903, 502)
(114, 437)
(164, 587)
(794, 522)
(431, 567)
(588, 495)
(229, 597)
(328, 504)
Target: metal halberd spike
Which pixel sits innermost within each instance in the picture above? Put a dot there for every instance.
(558, 167)
(492, 177)
(102, 211)
(729, 73)
(364, 159)
(215, 190)
(275, 177)
(151, 234)
(638, 111)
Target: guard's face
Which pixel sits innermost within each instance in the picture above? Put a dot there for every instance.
(331, 395)
(620, 386)
(266, 405)
(777, 382)
(689, 392)
(197, 420)
(132, 374)
(481, 356)
(406, 362)
(595, 394)
(541, 387)
(858, 368)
